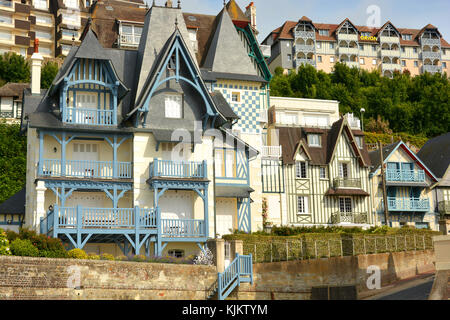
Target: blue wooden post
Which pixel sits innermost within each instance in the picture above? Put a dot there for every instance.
(63, 154)
(205, 169)
(137, 236)
(251, 268)
(79, 226)
(115, 157)
(114, 91)
(41, 226)
(238, 268)
(55, 221)
(159, 231)
(206, 212)
(219, 286)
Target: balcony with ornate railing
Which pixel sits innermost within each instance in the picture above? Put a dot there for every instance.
(384, 39)
(431, 55)
(431, 68)
(6, 114)
(304, 48)
(352, 64)
(129, 40)
(390, 53)
(85, 169)
(178, 169)
(391, 67)
(348, 51)
(299, 62)
(349, 217)
(430, 42)
(347, 37)
(405, 175)
(345, 183)
(305, 34)
(408, 204)
(444, 207)
(271, 152)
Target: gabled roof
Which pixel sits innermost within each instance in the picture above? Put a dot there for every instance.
(390, 150)
(235, 12)
(226, 53)
(292, 138)
(435, 154)
(346, 20)
(15, 204)
(385, 25)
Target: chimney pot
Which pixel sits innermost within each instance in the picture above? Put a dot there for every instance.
(36, 63)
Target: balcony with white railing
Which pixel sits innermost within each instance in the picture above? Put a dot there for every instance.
(299, 62)
(178, 169)
(390, 53)
(305, 34)
(348, 51)
(129, 40)
(304, 48)
(430, 42)
(389, 39)
(391, 67)
(347, 37)
(271, 152)
(99, 117)
(351, 64)
(431, 55)
(431, 68)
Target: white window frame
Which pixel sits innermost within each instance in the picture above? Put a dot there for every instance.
(301, 170)
(173, 106)
(302, 205)
(314, 140)
(87, 100)
(38, 4)
(133, 34)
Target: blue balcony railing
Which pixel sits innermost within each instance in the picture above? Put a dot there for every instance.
(408, 204)
(97, 117)
(120, 219)
(405, 175)
(86, 169)
(186, 228)
(178, 169)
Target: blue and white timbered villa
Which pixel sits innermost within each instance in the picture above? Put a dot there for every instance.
(135, 151)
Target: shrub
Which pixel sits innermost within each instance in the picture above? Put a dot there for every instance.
(24, 248)
(4, 244)
(11, 235)
(121, 258)
(140, 258)
(93, 256)
(77, 254)
(106, 256)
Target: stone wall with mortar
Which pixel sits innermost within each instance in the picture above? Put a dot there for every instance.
(40, 278)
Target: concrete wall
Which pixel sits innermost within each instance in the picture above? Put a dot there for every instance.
(39, 278)
(295, 279)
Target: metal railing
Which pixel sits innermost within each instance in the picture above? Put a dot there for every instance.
(431, 68)
(305, 34)
(240, 270)
(349, 217)
(6, 114)
(408, 204)
(405, 175)
(89, 116)
(178, 169)
(86, 169)
(130, 40)
(347, 183)
(430, 42)
(304, 48)
(305, 249)
(431, 55)
(271, 151)
(185, 228)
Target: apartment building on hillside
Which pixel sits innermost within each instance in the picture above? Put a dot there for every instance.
(387, 49)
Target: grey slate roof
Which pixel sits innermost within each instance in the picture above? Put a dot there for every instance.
(212, 76)
(226, 53)
(435, 154)
(223, 106)
(15, 204)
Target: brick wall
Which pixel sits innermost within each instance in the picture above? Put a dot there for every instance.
(38, 278)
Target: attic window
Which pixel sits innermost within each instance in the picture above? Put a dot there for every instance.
(407, 37)
(359, 141)
(314, 140)
(324, 32)
(192, 18)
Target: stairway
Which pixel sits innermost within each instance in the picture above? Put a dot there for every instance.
(239, 271)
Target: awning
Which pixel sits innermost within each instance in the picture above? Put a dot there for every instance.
(233, 191)
(346, 192)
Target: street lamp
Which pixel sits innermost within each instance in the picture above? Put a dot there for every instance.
(362, 118)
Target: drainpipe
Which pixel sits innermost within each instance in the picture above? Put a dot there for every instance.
(214, 186)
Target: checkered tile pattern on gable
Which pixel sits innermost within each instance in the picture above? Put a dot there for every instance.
(247, 109)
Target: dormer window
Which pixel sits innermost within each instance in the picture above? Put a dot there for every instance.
(174, 106)
(359, 141)
(130, 35)
(314, 140)
(407, 37)
(324, 32)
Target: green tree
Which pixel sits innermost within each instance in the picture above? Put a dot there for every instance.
(14, 68)
(48, 73)
(13, 160)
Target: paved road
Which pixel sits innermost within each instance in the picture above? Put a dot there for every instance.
(416, 290)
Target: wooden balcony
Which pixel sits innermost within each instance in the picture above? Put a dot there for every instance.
(86, 169)
(408, 204)
(349, 217)
(178, 169)
(430, 42)
(343, 183)
(305, 34)
(96, 117)
(405, 175)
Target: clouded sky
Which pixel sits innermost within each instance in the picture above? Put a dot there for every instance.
(271, 14)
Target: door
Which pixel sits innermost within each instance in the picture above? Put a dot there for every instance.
(225, 213)
(85, 161)
(87, 105)
(176, 207)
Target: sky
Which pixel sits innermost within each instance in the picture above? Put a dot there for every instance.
(270, 14)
